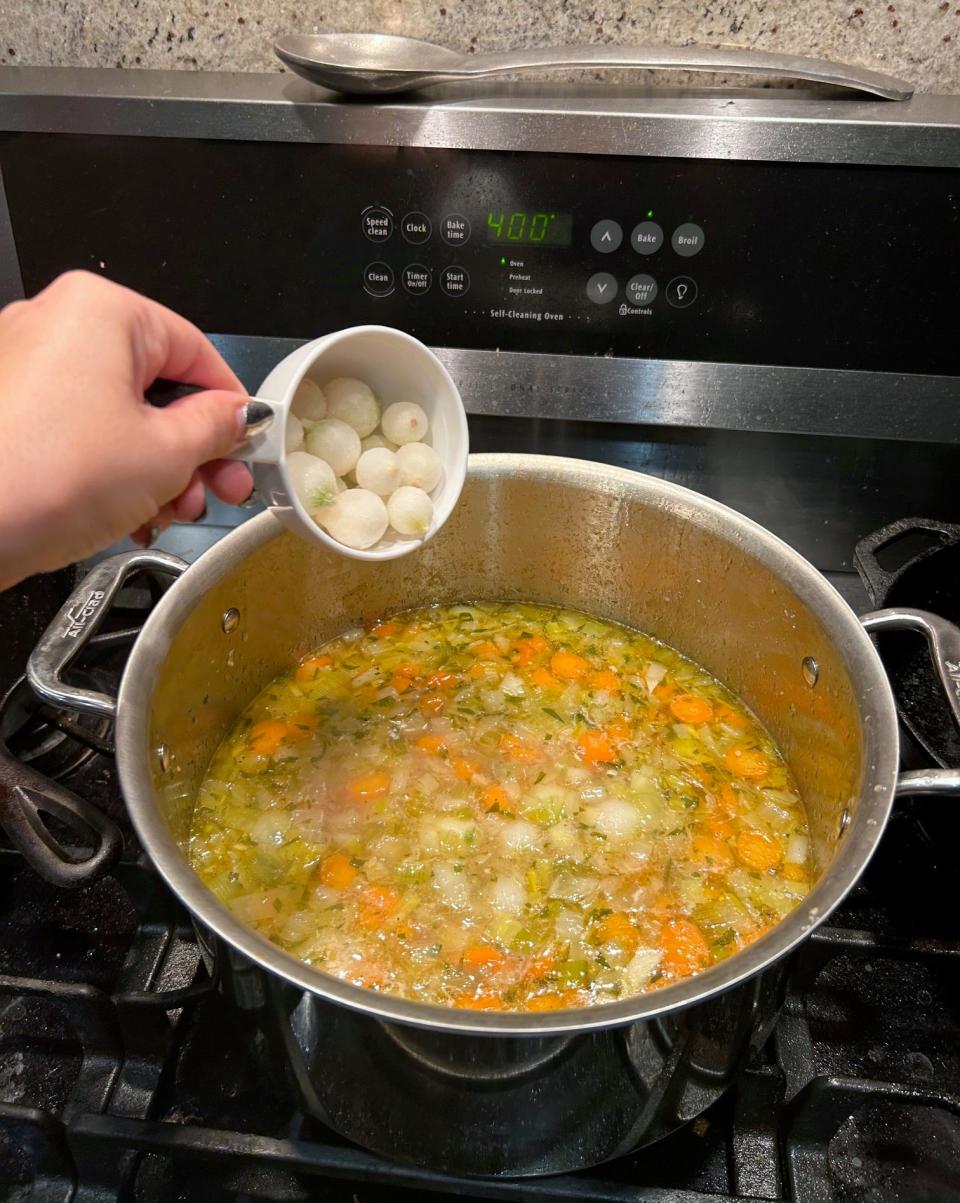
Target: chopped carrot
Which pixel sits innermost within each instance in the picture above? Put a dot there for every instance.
(435, 744)
(403, 677)
(475, 671)
(688, 708)
(536, 968)
(442, 680)
(685, 948)
(517, 750)
(568, 666)
(664, 905)
(665, 691)
(495, 797)
(368, 786)
(757, 851)
(731, 718)
(403, 930)
(308, 669)
(336, 872)
(385, 629)
(605, 679)
(544, 679)
(719, 827)
(432, 703)
(478, 1002)
(750, 763)
(595, 748)
(714, 853)
(729, 800)
(486, 649)
(529, 648)
(481, 958)
(554, 1001)
(619, 730)
(794, 872)
(267, 736)
(617, 929)
(465, 769)
(376, 905)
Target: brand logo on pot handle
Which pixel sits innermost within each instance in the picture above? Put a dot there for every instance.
(78, 616)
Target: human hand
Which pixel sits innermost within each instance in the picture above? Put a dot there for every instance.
(85, 459)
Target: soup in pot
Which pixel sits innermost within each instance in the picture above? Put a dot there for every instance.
(505, 807)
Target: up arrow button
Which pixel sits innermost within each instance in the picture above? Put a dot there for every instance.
(606, 236)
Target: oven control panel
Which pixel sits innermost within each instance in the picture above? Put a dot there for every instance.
(795, 264)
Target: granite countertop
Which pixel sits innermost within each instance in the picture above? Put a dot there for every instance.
(915, 39)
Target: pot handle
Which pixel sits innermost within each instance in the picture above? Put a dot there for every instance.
(943, 642)
(77, 622)
(877, 579)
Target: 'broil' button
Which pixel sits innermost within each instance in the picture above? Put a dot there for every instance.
(378, 279)
(687, 239)
(377, 224)
(416, 228)
(455, 229)
(454, 281)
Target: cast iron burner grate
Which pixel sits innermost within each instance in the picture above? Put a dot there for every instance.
(109, 1091)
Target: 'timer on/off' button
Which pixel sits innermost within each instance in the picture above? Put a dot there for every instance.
(378, 279)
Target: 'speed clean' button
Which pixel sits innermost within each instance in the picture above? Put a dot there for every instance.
(416, 228)
(377, 224)
(454, 281)
(601, 288)
(687, 240)
(378, 279)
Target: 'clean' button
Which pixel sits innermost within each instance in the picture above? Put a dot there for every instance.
(378, 279)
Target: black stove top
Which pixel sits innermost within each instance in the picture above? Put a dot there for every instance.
(125, 1075)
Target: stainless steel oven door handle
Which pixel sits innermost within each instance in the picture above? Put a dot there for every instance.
(943, 642)
(77, 622)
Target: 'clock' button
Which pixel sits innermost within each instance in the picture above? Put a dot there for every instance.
(455, 229)
(641, 289)
(377, 224)
(681, 292)
(378, 279)
(687, 239)
(416, 279)
(601, 288)
(646, 238)
(416, 228)
(454, 281)
(606, 236)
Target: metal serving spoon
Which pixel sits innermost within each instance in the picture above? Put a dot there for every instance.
(379, 63)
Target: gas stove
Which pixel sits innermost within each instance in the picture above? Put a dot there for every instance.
(745, 293)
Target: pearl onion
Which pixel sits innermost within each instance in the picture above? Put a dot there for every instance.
(336, 442)
(376, 440)
(309, 401)
(410, 511)
(377, 470)
(357, 518)
(293, 436)
(419, 465)
(404, 422)
(353, 402)
(312, 479)
(342, 485)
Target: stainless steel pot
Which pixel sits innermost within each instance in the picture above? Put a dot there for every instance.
(481, 1092)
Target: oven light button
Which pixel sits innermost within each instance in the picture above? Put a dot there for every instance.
(681, 292)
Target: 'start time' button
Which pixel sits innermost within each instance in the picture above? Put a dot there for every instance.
(378, 279)
(454, 281)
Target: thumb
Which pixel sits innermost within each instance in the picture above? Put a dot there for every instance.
(204, 426)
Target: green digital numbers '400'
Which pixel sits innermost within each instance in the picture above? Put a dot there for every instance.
(518, 226)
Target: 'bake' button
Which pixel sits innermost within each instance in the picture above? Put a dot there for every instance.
(455, 229)
(646, 238)
(416, 279)
(606, 236)
(601, 288)
(454, 281)
(687, 239)
(377, 224)
(681, 292)
(416, 228)
(378, 279)
(641, 289)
